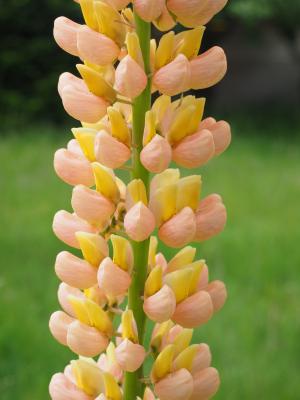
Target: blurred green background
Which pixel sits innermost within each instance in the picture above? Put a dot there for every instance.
(255, 339)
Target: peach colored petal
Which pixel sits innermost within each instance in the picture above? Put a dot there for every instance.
(113, 280)
(204, 277)
(161, 306)
(96, 47)
(85, 340)
(67, 79)
(65, 225)
(108, 366)
(61, 388)
(65, 34)
(139, 222)
(74, 147)
(176, 386)
(64, 291)
(218, 293)
(58, 325)
(186, 8)
(109, 151)
(208, 68)
(72, 168)
(92, 206)
(173, 78)
(165, 22)
(130, 356)
(211, 218)
(206, 123)
(194, 311)
(149, 10)
(156, 155)
(179, 230)
(194, 150)
(206, 384)
(74, 271)
(222, 136)
(130, 78)
(202, 359)
(83, 106)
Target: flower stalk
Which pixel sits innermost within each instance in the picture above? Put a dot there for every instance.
(121, 272)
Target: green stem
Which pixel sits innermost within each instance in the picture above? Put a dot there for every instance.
(133, 386)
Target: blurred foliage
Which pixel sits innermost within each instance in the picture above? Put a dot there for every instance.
(30, 60)
(283, 12)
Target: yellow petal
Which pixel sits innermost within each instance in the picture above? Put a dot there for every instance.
(93, 247)
(154, 281)
(182, 341)
(188, 192)
(160, 106)
(87, 8)
(86, 140)
(163, 364)
(180, 126)
(111, 23)
(167, 177)
(162, 330)
(111, 353)
(118, 125)
(136, 192)
(134, 48)
(152, 251)
(165, 203)
(129, 326)
(98, 317)
(185, 358)
(106, 182)
(164, 52)
(175, 281)
(88, 376)
(150, 127)
(112, 389)
(196, 267)
(184, 257)
(197, 116)
(122, 252)
(96, 83)
(78, 305)
(188, 42)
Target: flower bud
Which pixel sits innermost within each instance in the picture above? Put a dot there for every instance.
(65, 225)
(86, 340)
(114, 281)
(206, 384)
(156, 155)
(139, 222)
(58, 325)
(218, 293)
(96, 47)
(72, 168)
(173, 78)
(208, 69)
(202, 358)
(194, 311)
(149, 10)
(65, 34)
(63, 293)
(222, 136)
(161, 306)
(130, 356)
(109, 151)
(180, 229)
(61, 388)
(74, 271)
(130, 79)
(194, 150)
(91, 206)
(211, 217)
(176, 386)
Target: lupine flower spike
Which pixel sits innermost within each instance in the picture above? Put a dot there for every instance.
(117, 277)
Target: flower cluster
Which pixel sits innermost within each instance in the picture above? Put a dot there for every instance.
(114, 224)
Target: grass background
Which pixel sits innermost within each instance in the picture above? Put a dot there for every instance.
(254, 340)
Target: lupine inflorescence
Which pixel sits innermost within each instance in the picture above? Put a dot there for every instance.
(118, 279)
